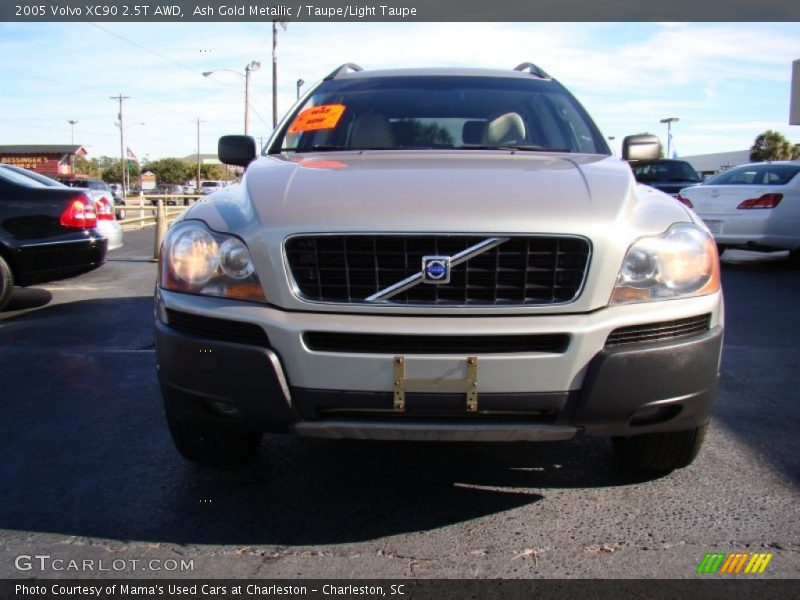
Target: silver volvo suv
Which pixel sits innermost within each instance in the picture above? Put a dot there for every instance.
(439, 254)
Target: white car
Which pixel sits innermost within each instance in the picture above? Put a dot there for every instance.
(754, 206)
(207, 187)
(439, 254)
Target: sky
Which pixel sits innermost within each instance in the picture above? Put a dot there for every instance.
(726, 82)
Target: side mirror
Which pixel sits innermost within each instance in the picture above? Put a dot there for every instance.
(640, 147)
(239, 150)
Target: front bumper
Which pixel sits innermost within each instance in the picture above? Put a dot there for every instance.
(624, 390)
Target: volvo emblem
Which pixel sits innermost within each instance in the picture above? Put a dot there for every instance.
(436, 269)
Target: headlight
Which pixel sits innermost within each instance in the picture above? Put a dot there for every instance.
(681, 262)
(196, 260)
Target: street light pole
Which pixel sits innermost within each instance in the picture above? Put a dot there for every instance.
(72, 131)
(253, 66)
(669, 121)
(300, 84)
(197, 182)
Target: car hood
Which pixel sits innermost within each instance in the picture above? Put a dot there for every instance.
(431, 191)
(470, 192)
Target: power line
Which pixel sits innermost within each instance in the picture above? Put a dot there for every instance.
(153, 52)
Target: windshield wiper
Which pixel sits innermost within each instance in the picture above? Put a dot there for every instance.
(512, 147)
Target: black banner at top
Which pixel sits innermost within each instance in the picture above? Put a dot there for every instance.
(396, 10)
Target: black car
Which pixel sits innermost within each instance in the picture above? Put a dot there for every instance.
(669, 176)
(46, 233)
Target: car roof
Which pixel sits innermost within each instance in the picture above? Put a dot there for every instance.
(651, 161)
(794, 163)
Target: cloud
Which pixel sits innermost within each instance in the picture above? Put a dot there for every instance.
(627, 75)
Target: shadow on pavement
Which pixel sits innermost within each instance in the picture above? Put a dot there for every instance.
(25, 299)
(85, 452)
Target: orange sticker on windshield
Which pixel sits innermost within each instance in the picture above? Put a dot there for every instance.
(325, 116)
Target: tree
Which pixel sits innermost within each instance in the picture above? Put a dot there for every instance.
(772, 145)
(111, 174)
(209, 171)
(429, 134)
(169, 170)
(84, 166)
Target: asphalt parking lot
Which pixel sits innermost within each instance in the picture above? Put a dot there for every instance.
(88, 470)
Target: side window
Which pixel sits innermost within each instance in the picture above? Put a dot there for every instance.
(742, 177)
(780, 174)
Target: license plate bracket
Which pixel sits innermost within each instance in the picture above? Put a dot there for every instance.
(468, 385)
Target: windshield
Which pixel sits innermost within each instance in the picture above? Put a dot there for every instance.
(665, 170)
(458, 112)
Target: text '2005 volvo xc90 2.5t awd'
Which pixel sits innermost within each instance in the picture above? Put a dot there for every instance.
(436, 254)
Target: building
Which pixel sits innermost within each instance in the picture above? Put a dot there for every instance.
(205, 159)
(54, 160)
(711, 164)
(148, 180)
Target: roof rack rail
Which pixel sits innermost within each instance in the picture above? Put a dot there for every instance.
(339, 71)
(532, 69)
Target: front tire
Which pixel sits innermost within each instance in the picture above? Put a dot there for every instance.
(207, 444)
(660, 452)
(6, 283)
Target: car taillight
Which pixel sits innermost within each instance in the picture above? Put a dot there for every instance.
(80, 213)
(684, 200)
(765, 201)
(103, 209)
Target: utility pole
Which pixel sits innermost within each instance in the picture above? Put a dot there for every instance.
(122, 164)
(274, 74)
(275, 70)
(197, 181)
